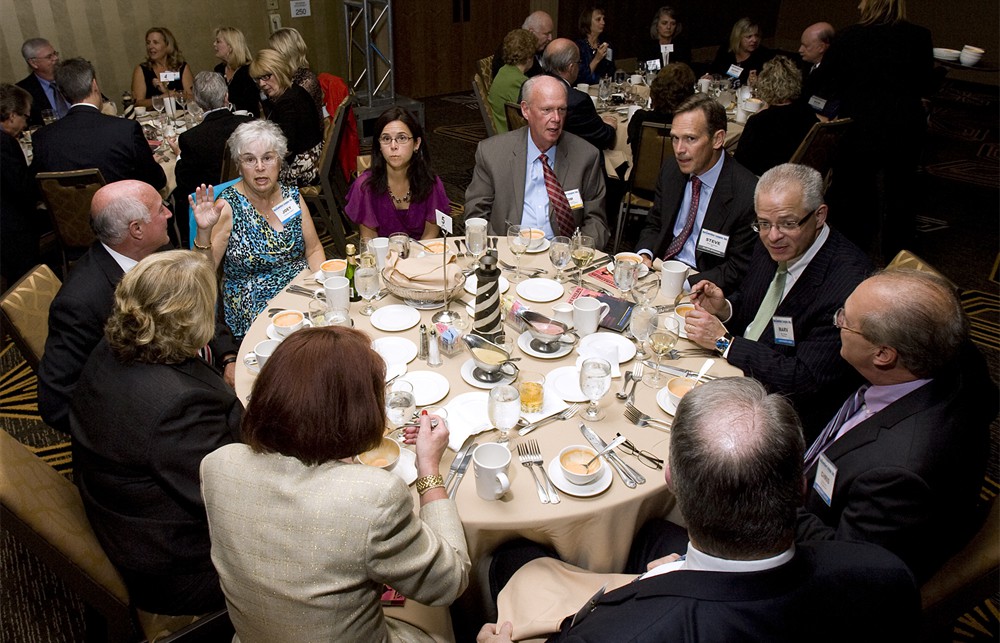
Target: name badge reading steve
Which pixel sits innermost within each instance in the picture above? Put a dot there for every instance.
(714, 243)
(817, 103)
(287, 209)
(826, 475)
(574, 198)
(734, 71)
(169, 76)
(783, 332)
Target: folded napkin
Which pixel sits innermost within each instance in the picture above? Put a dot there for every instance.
(422, 272)
(467, 416)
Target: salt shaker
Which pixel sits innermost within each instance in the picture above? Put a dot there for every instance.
(433, 350)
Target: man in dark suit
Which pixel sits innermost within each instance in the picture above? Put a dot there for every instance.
(508, 184)
(86, 138)
(130, 221)
(199, 150)
(562, 60)
(707, 228)
(42, 59)
(540, 24)
(736, 472)
(902, 464)
(816, 39)
(778, 324)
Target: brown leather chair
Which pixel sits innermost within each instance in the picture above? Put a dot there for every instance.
(515, 119)
(655, 148)
(481, 92)
(24, 309)
(67, 195)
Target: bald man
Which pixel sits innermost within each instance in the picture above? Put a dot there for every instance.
(541, 25)
(815, 41)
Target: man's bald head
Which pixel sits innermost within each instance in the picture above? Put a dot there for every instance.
(562, 57)
(117, 206)
(815, 41)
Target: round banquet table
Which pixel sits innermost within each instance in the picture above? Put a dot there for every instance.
(591, 532)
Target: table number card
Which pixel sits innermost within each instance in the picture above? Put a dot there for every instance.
(169, 76)
(443, 221)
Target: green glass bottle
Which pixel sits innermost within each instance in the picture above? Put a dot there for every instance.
(352, 265)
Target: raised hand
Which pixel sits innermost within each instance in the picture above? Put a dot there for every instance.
(206, 212)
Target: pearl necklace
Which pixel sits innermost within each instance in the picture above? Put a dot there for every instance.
(398, 200)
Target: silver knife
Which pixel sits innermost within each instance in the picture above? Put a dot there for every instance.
(456, 464)
(596, 442)
(603, 261)
(675, 370)
(635, 475)
(461, 470)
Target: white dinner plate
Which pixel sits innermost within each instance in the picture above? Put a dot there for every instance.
(663, 400)
(598, 344)
(541, 248)
(428, 387)
(471, 283)
(565, 382)
(540, 289)
(580, 490)
(406, 465)
(467, 369)
(524, 343)
(395, 317)
(394, 370)
(272, 332)
(395, 350)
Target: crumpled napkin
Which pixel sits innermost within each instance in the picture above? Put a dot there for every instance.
(422, 272)
(467, 416)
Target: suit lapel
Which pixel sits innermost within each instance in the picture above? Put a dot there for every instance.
(518, 158)
(722, 194)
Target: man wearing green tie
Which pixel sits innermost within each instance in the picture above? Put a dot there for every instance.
(778, 325)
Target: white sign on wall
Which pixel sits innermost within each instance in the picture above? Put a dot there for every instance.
(300, 9)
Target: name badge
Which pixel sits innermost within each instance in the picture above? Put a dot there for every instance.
(609, 55)
(653, 65)
(169, 76)
(783, 333)
(817, 103)
(714, 243)
(666, 49)
(287, 209)
(826, 475)
(574, 198)
(734, 71)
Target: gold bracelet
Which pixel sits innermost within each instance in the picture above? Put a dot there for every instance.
(427, 483)
(208, 247)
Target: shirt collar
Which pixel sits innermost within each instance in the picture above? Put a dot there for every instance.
(126, 263)
(533, 152)
(798, 265)
(879, 397)
(711, 176)
(700, 561)
(84, 105)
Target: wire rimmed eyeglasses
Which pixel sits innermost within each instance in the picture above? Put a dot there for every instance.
(400, 139)
(642, 456)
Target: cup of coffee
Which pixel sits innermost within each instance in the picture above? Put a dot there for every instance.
(333, 268)
(490, 462)
(260, 353)
(531, 386)
(587, 314)
(583, 87)
(704, 84)
(338, 294)
(681, 313)
(573, 463)
(752, 105)
(288, 321)
(384, 456)
(672, 276)
(677, 387)
(635, 79)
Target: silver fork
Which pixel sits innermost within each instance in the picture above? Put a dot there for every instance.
(526, 460)
(535, 453)
(636, 378)
(565, 415)
(637, 417)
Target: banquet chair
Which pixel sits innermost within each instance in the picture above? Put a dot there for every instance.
(480, 91)
(230, 168)
(44, 512)
(655, 147)
(485, 68)
(24, 309)
(819, 147)
(67, 195)
(329, 198)
(515, 119)
(908, 260)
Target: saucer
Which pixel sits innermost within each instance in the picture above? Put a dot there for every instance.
(467, 369)
(541, 248)
(250, 361)
(565, 381)
(580, 490)
(540, 289)
(395, 317)
(428, 387)
(524, 343)
(663, 400)
(406, 466)
(471, 284)
(272, 332)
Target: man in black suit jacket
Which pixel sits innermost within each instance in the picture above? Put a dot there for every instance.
(562, 60)
(742, 577)
(130, 221)
(42, 59)
(86, 138)
(904, 471)
(719, 242)
(793, 347)
(199, 150)
(816, 39)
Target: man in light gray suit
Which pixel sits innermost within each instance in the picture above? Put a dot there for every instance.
(539, 175)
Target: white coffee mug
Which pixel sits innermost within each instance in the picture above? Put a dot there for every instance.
(338, 294)
(583, 87)
(635, 79)
(380, 246)
(260, 353)
(490, 462)
(563, 313)
(672, 276)
(587, 314)
(741, 115)
(704, 84)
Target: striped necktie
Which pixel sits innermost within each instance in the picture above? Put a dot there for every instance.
(679, 241)
(558, 203)
(829, 433)
(769, 305)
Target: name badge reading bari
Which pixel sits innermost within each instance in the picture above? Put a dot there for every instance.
(287, 209)
(169, 76)
(826, 475)
(574, 198)
(783, 332)
(714, 243)
(734, 71)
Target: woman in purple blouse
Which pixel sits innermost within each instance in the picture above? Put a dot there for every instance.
(399, 193)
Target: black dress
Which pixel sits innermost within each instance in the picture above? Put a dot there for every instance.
(772, 136)
(19, 221)
(149, 76)
(244, 94)
(725, 58)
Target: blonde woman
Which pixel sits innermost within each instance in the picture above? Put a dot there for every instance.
(163, 54)
(744, 50)
(230, 47)
(289, 43)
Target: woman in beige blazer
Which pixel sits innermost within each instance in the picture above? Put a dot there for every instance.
(304, 539)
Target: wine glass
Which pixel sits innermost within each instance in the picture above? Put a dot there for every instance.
(582, 253)
(367, 284)
(662, 337)
(559, 256)
(604, 90)
(475, 239)
(518, 238)
(504, 409)
(626, 274)
(620, 77)
(595, 380)
(158, 103)
(640, 326)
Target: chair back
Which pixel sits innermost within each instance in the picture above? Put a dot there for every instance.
(67, 195)
(910, 261)
(515, 119)
(484, 67)
(230, 168)
(819, 147)
(25, 312)
(480, 91)
(655, 147)
(329, 198)
(216, 191)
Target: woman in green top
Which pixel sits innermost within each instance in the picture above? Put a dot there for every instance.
(518, 51)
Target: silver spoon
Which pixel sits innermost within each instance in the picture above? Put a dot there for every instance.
(628, 378)
(605, 450)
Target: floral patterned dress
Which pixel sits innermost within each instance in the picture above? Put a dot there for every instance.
(259, 260)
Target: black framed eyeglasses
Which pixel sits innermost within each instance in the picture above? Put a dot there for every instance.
(263, 77)
(784, 226)
(644, 457)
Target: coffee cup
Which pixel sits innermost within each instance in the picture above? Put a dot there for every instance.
(583, 87)
(563, 313)
(140, 111)
(741, 114)
(970, 55)
(704, 84)
(587, 314)
(490, 462)
(752, 105)
(677, 387)
(380, 246)
(260, 353)
(681, 313)
(672, 276)
(573, 464)
(384, 456)
(635, 79)
(288, 321)
(333, 268)
(338, 294)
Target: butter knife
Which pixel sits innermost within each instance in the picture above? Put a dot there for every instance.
(676, 370)
(599, 444)
(603, 261)
(461, 470)
(456, 464)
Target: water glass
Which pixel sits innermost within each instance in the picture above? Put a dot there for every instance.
(626, 274)
(475, 238)
(595, 380)
(367, 284)
(400, 404)
(518, 238)
(504, 409)
(559, 255)
(640, 325)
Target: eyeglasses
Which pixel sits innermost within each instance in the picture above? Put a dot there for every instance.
(644, 457)
(838, 321)
(400, 139)
(52, 56)
(263, 77)
(251, 161)
(784, 226)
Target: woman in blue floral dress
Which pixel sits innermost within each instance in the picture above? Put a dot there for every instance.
(258, 229)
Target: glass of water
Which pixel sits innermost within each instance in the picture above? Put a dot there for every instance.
(641, 324)
(518, 238)
(475, 239)
(400, 404)
(595, 380)
(367, 284)
(559, 256)
(626, 274)
(504, 409)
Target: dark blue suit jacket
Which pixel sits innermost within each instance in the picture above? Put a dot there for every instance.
(39, 99)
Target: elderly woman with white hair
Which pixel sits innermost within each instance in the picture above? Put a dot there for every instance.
(259, 229)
